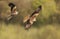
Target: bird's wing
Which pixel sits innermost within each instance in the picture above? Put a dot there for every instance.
(26, 18)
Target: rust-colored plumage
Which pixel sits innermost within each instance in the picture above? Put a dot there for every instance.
(29, 20)
(13, 10)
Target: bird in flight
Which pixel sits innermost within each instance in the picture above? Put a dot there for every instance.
(13, 10)
(30, 19)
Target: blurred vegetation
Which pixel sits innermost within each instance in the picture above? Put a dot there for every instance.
(28, 6)
(47, 25)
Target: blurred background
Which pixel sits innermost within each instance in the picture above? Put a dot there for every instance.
(47, 25)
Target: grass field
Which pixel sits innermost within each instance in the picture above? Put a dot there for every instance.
(41, 29)
(16, 31)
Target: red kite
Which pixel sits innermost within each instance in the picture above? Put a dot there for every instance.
(29, 20)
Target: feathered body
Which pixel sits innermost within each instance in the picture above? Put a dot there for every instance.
(13, 10)
(32, 18)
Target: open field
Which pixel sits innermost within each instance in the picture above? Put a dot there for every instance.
(47, 25)
(12, 31)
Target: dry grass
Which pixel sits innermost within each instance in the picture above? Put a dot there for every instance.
(17, 31)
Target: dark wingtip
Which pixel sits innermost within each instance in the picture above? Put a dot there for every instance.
(11, 4)
(40, 7)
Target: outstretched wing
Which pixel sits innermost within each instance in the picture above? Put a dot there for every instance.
(33, 16)
(26, 18)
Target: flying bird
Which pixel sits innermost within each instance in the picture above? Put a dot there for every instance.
(30, 19)
(13, 10)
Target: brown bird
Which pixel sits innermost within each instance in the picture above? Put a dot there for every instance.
(13, 10)
(30, 19)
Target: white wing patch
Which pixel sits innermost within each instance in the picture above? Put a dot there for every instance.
(15, 13)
